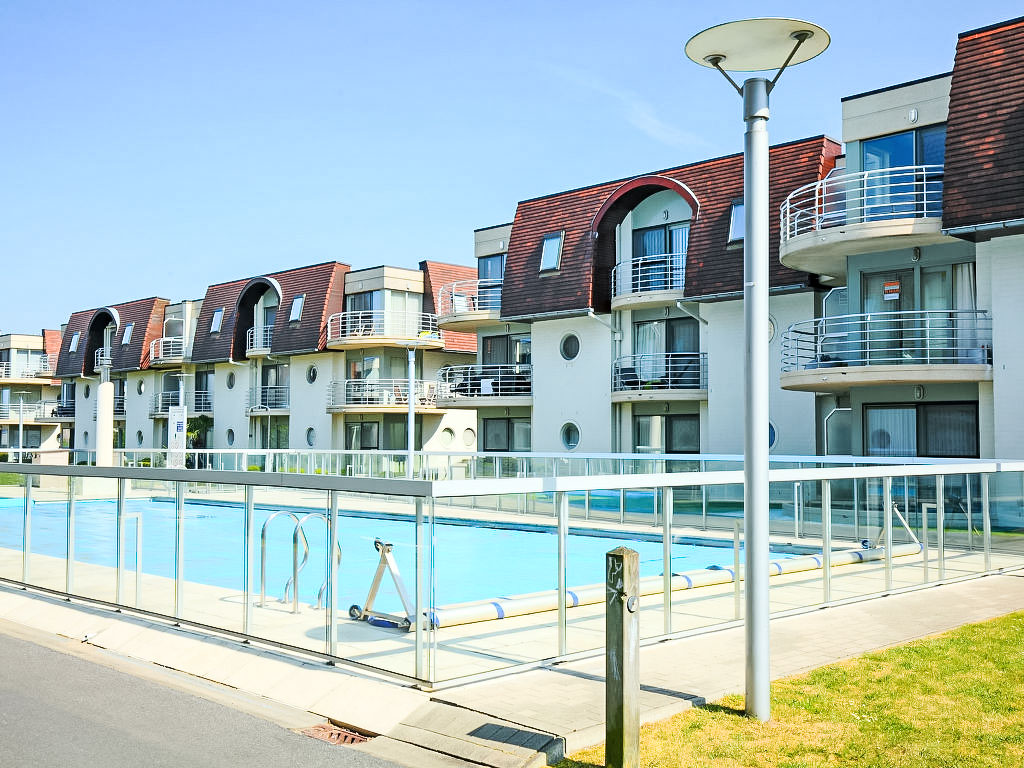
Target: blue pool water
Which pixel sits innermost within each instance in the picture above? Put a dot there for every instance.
(471, 562)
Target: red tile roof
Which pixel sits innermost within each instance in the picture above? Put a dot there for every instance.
(51, 342)
(583, 280)
(437, 274)
(984, 173)
(147, 316)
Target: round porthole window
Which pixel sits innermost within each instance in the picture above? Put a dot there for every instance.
(771, 328)
(468, 437)
(311, 374)
(447, 436)
(231, 380)
(311, 437)
(230, 437)
(140, 386)
(773, 435)
(139, 438)
(87, 391)
(570, 436)
(570, 346)
(85, 438)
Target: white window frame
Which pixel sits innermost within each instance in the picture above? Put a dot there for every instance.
(126, 338)
(295, 313)
(75, 337)
(217, 321)
(737, 222)
(551, 249)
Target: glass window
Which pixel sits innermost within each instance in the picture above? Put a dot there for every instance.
(643, 434)
(296, 312)
(931, 145)
(521, 435)
(496, 434)
(570, 436)
(682, 434)
(570, 346)
(74, 341)
(310, 437)
(895, 151)
(737, 222)
(126, 339)
(362, 436)
(948, 430)
(367, 301)
(551, 251)
(218, 319)
(491, 267)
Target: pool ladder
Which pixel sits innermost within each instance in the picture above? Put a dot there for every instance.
(291, 586)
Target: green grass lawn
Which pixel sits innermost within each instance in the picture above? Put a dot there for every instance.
(951, 701)
(10, 478)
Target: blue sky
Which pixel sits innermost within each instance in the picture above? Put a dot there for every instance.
(158, 147)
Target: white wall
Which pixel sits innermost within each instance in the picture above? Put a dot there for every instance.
(308, 402)
(229, 405)
(578, 390)
(792, 413)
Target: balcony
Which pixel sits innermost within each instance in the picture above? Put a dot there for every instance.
(119, 406)
(379, 328)
(831, 354)
(648, 281)
(264, 399)
(52, 411)
(42, 367)
(465, 305)
(840, 216)
(169, 350)
(103, 357)
(195, 402)
(26, 412)
(479, 385)
(258, 341)
(660, 376)
(380, 396)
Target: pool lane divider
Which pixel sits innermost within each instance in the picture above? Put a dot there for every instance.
(539, 602)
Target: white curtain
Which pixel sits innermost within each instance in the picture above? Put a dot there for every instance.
(890, 432)
(649, 348)
(965, 297)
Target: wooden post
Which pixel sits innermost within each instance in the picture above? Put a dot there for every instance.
(622, 659)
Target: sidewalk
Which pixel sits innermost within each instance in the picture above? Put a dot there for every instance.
(533, 717)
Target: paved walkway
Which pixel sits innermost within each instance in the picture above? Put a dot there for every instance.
(533, 717)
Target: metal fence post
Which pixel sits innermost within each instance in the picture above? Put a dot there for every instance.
(179, 546)
(562, 509)
(69, 565)
(737, 570)
(666, 556)
(940, 523)
(332, 573)
(826, 541)
(970, 514)
(856, 504)
(26, 531)
(622, 643)
(247, 558)
(887, 530)
(986, 522)
(119, 545)
(796, 510)
(421, 589)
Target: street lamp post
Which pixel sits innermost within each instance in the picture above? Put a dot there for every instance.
(21, 424)
(748, 46)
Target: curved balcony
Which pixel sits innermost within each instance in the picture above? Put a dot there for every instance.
(475, 386)
(648, 281)
(380, 396)
(103, 357)
(465, 305)
(379, 328)
(169, 350)
(258, 341)
(851, 213)
(831, 354)
(660, 376)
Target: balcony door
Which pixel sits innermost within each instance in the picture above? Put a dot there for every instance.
(659, 257)
(666, 350)
(490, 271)
(888, 337)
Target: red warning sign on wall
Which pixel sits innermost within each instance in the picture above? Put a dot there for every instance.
(891, 290)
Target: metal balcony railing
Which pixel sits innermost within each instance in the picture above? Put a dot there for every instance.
(469, 296)
(57, 409)
(103, 357)
(660, 371)
(646, 274)
(28, 411)
(259, 338)
(119, 405)
(195, 402)
(380, 392)
(43, 366)
(485, 381)
(908, 192)
(201, 401)
(166, 349)
(382, 324)
(922, 337)
(162, 402)
(268, 398)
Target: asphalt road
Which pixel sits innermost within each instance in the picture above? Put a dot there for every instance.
(64, 711)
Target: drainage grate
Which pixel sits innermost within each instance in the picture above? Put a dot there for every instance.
(334, 734)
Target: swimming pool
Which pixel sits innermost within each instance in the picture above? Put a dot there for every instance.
(472, 560)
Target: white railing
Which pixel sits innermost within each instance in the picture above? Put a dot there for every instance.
(908, 192)
(103, 357)
(928, 337)
(43, 366)
(167, 349)
(201, 401)
(195, 402)
(259, 338)
(382, 324)
(119, 405)
(26, 410)
(57, 409)
(485, 381)
(162, 402)
(469, 296)
(350, 392)
(268, 398)
(645, 274)
(667, 370)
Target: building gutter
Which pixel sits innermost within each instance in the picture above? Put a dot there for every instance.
(726, 295)
(994, 226)
(547, 315)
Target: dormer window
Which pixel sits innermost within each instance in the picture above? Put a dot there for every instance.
(737, 222)
(296, 311)
(126, 339)
(551, 251)
(218, 319)
(74, 342)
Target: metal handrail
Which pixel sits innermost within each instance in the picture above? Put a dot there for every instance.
(53, 409)
(379, 323)
(167, 348)
(119, 405)
(645, 274)
(928, 337)
(469, 296)
(906, 192)
(27, 410)
(380, 392)
(295, 567)
(494, 380)
(259, 338)
(667, 370)
(268, 398)
(103, 357)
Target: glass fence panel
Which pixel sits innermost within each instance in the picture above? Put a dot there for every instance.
(48, 531)
(93, 534)
(1006, 519)
(12, 524)
(148, 539)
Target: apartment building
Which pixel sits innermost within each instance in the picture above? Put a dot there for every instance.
(915, 350)
(610, 317)
(311, 358)
(28, 393)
